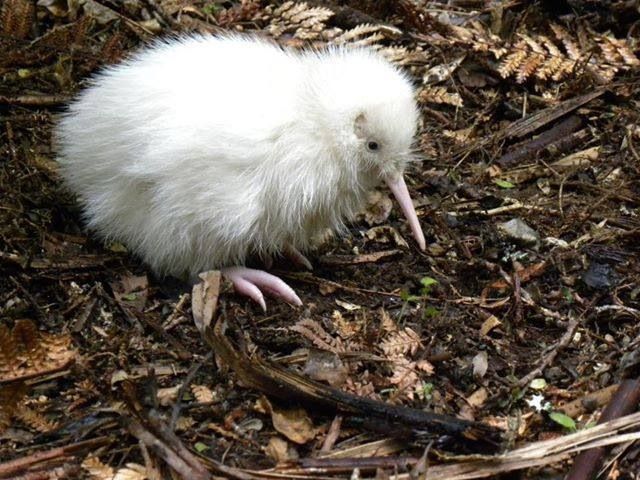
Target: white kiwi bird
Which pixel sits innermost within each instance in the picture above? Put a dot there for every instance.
(200, 152)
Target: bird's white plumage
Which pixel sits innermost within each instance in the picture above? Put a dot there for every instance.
(198, 152)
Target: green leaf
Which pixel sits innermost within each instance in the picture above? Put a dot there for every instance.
(427, 389)
(428, 282)
(538, 384)
(130, 297)
(564, 420)
(200, 447)
(430, 312)
(407, 297)
(503, 183)
(211, 8)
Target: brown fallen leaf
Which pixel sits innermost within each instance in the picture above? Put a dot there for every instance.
(480, 364)
(204, 298)
(325, 367)
(168, 396)
(489, 324)
(478, 398)
(131, 291)
(348, 306)
(293, 423)
(386, 233)
(278, 450)
(203, 394)
(525, 274)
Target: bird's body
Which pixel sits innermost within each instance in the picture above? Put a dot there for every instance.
(199, 152)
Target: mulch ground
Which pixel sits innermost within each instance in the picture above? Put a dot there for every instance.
(522, 314)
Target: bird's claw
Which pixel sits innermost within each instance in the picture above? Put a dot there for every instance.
(252, 283)
(293, 254)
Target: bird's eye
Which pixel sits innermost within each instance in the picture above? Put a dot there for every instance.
(373, 146)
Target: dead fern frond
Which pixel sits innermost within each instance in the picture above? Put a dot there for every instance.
(387, 324)
(539, 57)
(397, 54)
(8, 348)
(303, 21)
(554, 63)
(571, 47)
(400, 343)
(28, 353)
(404, 378)
(17, 17)
(313, 331)
(616, 51)
(96, 469)
(26, 335)
(243, 12)
(532, 43)
(360, 33)
(34, 419)
(11, 397)
(362, 387)
(439, 95)
(532, 62)
(529, 66)
(513, 60)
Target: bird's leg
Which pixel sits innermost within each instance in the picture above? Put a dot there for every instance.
(293, 254)
(252, 283)
(267, 260)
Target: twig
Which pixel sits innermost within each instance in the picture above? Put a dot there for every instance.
(13, 467)
(165, 443)
(178, 464)
(185, 384)
(550, 357)
(517, 296)
(332, 434)
(38, 310)
(308, 278)
(337, 465)
(42, 100)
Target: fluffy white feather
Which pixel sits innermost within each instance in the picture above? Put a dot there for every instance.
(199, 152)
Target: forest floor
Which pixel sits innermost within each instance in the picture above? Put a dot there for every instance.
(521, 320)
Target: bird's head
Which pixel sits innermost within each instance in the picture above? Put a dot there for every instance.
(370, 113)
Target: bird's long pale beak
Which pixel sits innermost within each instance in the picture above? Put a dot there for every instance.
(400, 191)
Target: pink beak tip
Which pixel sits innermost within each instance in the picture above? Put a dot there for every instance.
(399, 189)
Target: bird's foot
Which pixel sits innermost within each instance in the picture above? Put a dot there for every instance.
(252, 283)
(293, 254)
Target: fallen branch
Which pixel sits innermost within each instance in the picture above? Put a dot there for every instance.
(530, 148)
(12, 468)
(396, 420)
(181, 466)
(624, 401)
